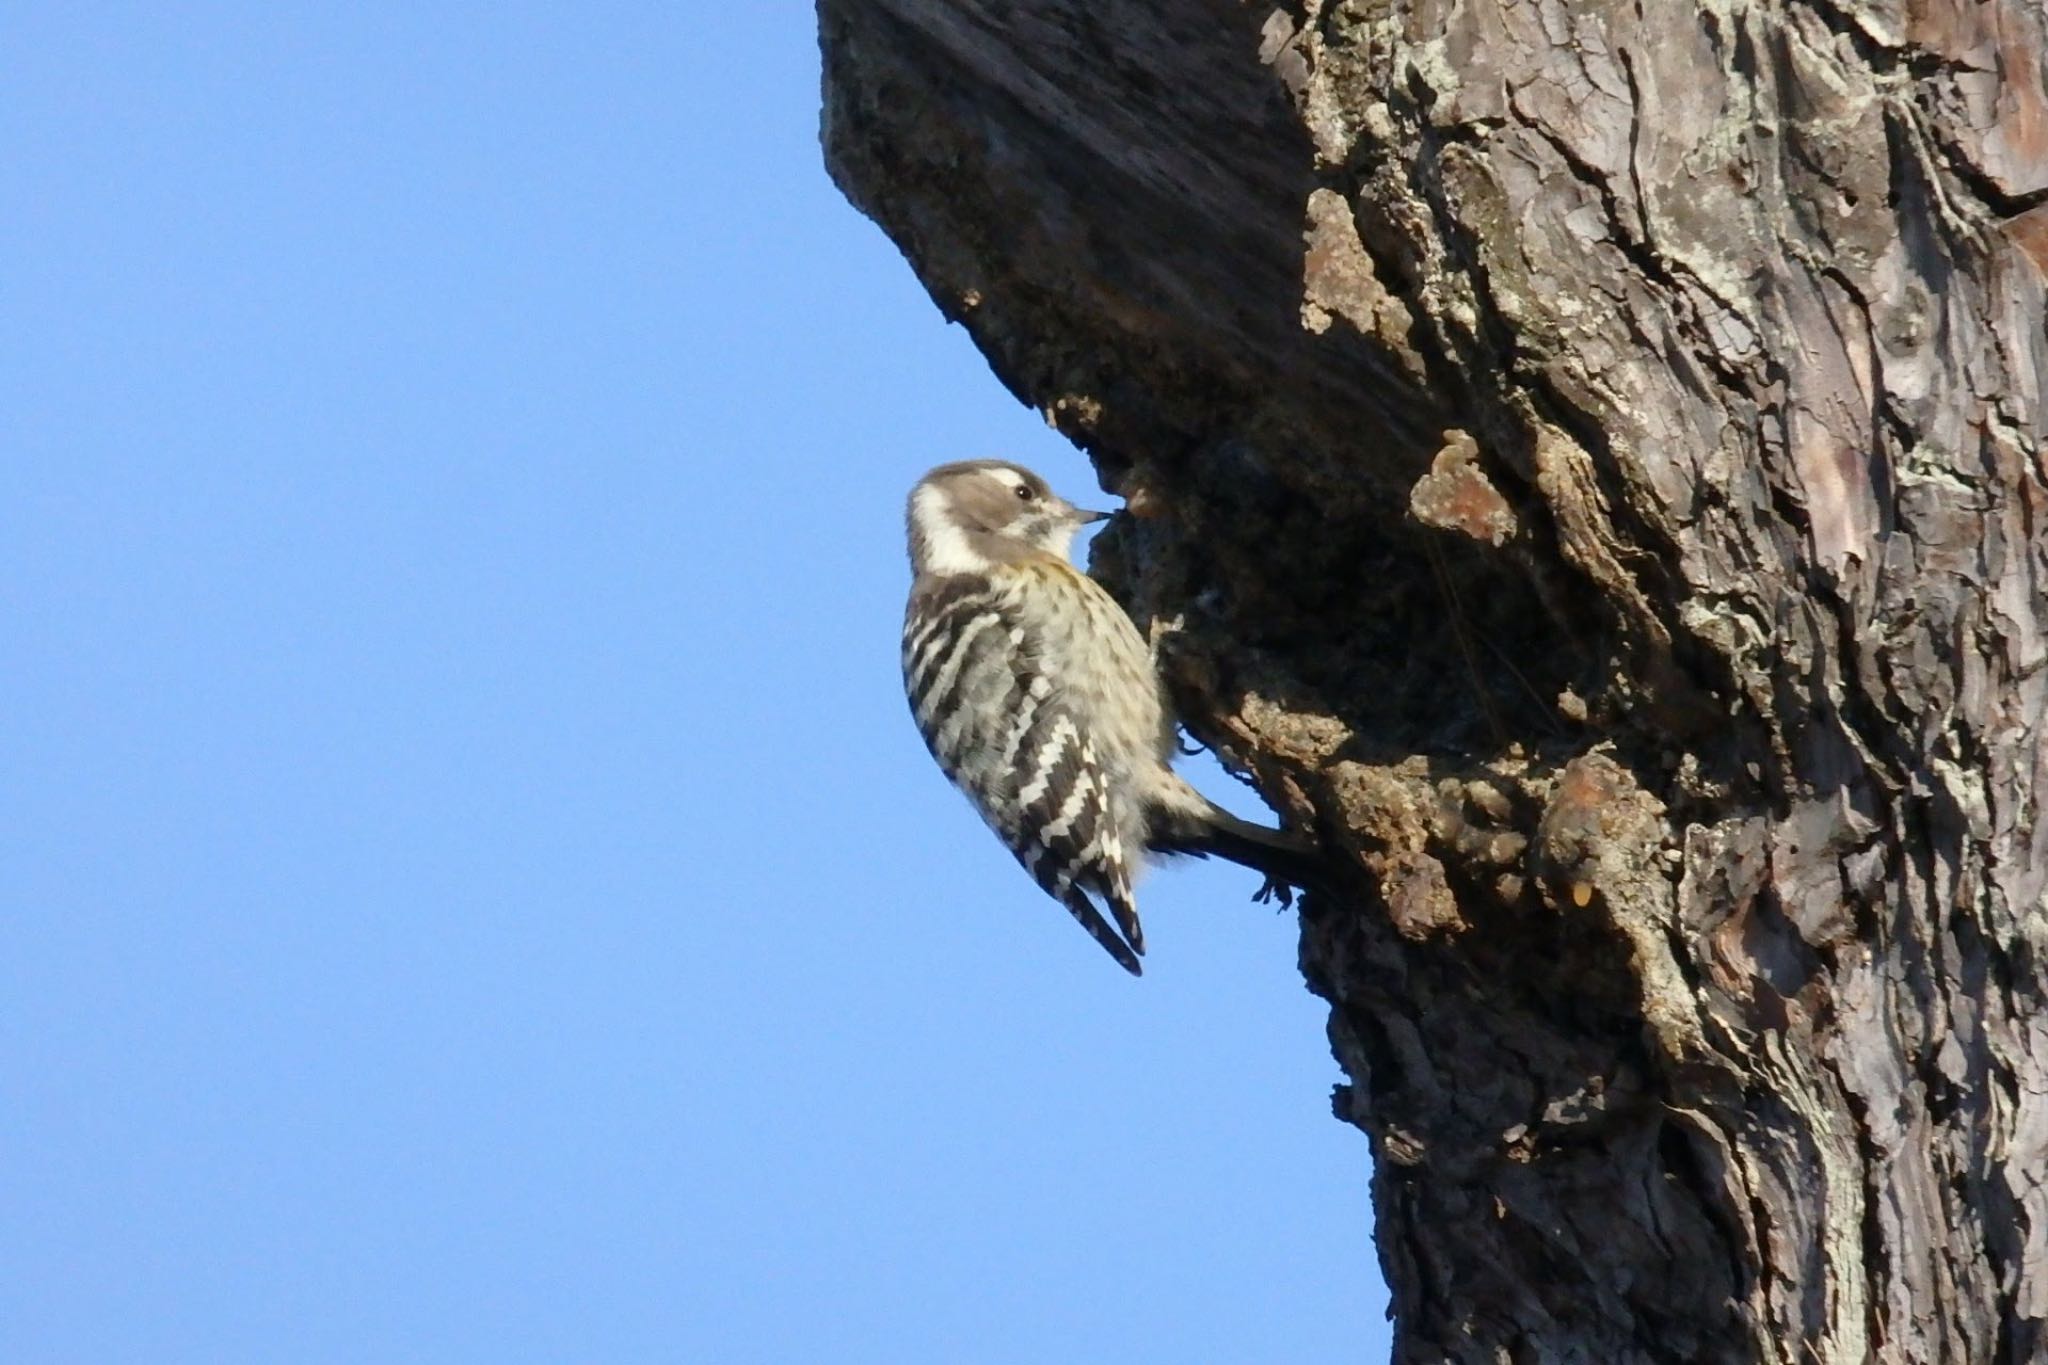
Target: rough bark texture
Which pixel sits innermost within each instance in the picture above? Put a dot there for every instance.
(1587, 466)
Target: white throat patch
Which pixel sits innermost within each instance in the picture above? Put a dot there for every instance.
(1060, 540)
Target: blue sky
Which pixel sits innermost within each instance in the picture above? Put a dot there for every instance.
(469, 886)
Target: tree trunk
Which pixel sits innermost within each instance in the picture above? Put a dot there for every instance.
(1587, 466)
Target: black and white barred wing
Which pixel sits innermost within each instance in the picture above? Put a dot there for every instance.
(990, 706)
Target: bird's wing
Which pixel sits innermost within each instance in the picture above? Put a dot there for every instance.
(985, 699)
(1098, 929)
(1067, 831)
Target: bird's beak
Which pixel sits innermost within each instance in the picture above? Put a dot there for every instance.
(1084, 516)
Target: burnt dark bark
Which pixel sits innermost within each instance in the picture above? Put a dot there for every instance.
(1587, 466)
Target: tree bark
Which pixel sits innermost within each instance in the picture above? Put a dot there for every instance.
(1586, 464)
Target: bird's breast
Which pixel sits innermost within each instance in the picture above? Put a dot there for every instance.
(1088, 647)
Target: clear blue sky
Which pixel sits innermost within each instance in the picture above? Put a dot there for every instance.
(472, 891)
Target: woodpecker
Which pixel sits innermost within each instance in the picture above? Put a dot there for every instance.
(1041, 701)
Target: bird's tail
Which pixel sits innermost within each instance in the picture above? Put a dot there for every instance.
(1200, 828)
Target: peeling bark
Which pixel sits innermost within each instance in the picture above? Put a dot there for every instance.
(1592, 472)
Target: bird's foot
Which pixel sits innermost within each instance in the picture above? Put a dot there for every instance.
(1275, 890)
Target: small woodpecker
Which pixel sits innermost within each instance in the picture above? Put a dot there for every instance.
(1042, 702)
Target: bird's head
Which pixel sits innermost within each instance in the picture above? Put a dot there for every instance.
(968, 516)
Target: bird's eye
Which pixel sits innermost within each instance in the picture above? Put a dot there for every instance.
(1024, 491)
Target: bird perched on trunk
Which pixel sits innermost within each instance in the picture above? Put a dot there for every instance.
(1041, 701)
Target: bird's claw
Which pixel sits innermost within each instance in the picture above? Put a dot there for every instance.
(1275, 890)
